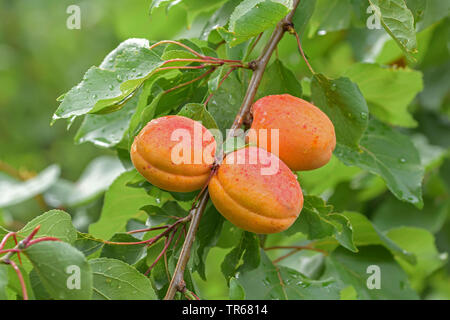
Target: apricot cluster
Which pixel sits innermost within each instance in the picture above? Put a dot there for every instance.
(254, 187)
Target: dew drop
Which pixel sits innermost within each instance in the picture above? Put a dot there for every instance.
(363, 115)
(402, 160)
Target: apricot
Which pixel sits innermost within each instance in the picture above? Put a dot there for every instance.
(306, 135)
(174, 153)
(256, 191)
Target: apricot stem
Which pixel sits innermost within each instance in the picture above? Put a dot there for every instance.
(197, 212)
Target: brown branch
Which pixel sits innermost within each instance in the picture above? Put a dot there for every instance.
(259, 66)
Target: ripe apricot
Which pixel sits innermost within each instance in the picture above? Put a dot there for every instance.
(174, 153)
(306, 134)
(256, 191)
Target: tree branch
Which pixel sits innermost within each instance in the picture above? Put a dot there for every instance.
(258, 66)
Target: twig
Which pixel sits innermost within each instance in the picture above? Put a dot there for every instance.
(191, 81)
(220, 84)
(295, 249)
(259, 67)
(163, 251)
(299, 44)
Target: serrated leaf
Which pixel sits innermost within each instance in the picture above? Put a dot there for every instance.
(104, 88)
(269, 281)
(365, 234)
(251, 17)
(398, 21)
(207, 236)
(226, 102)
(116, 280)
(278, 79)
(13, 192)
(422, 244)
(387, 91)
(127, 253)
(236, 290)
(347, 268)
(391, 155)
(106, 130)
(53, 223)
(60, 266)
(303, 14)
(198, 112)
(344, 104)
(121, 203)
(317, 221)
(248, 250)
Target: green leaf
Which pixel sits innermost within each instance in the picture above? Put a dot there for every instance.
(422, 244)
(348, 268)
(198, 112)
(248, 250)
(106, 130)
(13, 192)
(104, 88)
(62, 269)
(54, 223)
(15, 285)
(348, 293)
(388, 91)
(268, 281)
(398, 21)
(317, 221)
(365, 234)
(303, 14)
(278, 79)
(329, 16)
(122, 202)
(126, 253)
(236, 290)
(219, 18)
(251, 17)
(344, 104)
(207, 236)
(3, 281)
(226, 102)
(116, 280)
(96, 178)
(391, 155)
(432, 217)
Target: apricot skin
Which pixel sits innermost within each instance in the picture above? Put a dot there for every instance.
(254, 202)
(306, 134)
(151, 154)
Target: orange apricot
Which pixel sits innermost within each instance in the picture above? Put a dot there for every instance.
(174, 153)
(256, 191)
(306, 137)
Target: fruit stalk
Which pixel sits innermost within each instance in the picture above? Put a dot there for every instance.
(258, 66)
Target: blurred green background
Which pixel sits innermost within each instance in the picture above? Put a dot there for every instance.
(40, 58)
